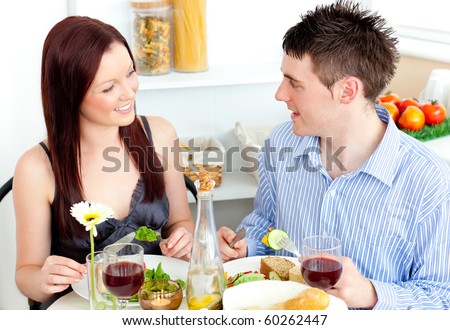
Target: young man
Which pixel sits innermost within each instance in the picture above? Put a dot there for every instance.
(341, 167)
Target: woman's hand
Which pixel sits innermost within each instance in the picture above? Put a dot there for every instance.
(353, 288)
(178, 244)
(58, 273)
(225, 236)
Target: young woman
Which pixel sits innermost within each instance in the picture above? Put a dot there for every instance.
(97, 150)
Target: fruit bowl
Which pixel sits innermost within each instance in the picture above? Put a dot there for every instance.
(160, 294)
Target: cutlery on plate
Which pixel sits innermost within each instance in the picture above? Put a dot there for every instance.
(287, 244)
(239, 235)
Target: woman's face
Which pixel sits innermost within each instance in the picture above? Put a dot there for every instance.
(109, 100)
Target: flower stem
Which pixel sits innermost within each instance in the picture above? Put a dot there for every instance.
(91, 237)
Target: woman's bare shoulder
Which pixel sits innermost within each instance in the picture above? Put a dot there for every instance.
(163, 131)
(33, 165)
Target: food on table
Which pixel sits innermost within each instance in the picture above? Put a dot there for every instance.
(159, 273)
(144, 233)
(273, 237)
(435, 112)
(279, 265)
(295, 274)
(412, 119)
(308, 299)
(243, 277)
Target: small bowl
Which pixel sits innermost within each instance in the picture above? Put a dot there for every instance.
(160, 295)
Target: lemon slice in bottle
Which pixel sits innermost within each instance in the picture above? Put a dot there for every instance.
(274, 237)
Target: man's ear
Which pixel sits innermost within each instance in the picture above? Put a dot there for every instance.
(349, 89)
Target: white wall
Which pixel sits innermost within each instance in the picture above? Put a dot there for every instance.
(23, 27)
(239, 31)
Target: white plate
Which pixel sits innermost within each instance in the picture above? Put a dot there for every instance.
(248, 264)
(266, 293)
(263, 293)
(176, 268)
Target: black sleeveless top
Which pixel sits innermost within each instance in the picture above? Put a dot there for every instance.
(153, 215)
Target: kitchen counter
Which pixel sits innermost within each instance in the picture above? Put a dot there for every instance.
(440, 146)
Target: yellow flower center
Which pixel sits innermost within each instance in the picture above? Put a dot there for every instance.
(91, 216)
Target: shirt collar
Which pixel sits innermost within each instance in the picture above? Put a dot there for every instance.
(383, 162)
(380, 164)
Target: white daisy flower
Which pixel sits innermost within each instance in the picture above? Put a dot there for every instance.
(91, 214)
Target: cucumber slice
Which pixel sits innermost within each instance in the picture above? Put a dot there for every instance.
(274, 276)
(274, 237)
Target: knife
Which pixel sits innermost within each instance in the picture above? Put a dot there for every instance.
(126, 239)
(239, 235)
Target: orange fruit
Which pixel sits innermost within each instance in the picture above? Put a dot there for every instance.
(393, 110)
(406, 103)
(390, 97)
(412, 119)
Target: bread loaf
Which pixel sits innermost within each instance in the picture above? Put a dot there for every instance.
(278, 265)
(295, 274)
(308, 299)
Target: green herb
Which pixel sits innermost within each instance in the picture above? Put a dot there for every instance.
(159, 274)
(430, 132)
(144, 233)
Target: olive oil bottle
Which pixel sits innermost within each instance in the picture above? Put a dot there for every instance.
(206, 278)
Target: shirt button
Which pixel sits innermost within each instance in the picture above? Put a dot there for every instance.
(332, 193)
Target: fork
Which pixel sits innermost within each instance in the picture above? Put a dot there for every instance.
(287, 244)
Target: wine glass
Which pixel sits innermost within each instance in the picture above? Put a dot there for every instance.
(322, 261)
(123, 270)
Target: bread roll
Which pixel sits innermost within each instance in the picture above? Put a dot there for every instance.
(308, 299)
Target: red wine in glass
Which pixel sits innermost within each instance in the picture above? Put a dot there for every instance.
(123, 279)
(320, 272)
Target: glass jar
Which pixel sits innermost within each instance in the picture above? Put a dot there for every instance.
(189, 26)
(151, 36)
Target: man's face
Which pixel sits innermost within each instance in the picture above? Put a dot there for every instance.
(313, 106)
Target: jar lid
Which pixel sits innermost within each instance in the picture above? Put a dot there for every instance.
(149, 3)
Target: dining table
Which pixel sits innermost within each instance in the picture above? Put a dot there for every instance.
(178, 269)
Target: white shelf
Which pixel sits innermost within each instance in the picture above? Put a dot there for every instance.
(234, 186)
(225, 75)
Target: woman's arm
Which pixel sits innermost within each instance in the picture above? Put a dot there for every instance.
(38, 275)
(180, 227)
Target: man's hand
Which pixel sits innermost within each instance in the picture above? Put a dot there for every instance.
(225, 236)
(353, 288)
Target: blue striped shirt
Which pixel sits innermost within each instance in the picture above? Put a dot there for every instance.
(392, 214)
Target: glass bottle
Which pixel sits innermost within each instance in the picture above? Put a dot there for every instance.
(206, 278)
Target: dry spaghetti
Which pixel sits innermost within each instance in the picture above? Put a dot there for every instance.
(189, 23)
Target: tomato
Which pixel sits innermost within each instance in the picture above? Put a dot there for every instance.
(406, 103)
(390, 97)
(412, 119)
(434, 112)
(393, 110)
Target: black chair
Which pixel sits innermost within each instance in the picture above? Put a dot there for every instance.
(7, 187)
(190, 186)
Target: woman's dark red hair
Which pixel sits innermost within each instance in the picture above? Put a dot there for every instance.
(71, 56)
